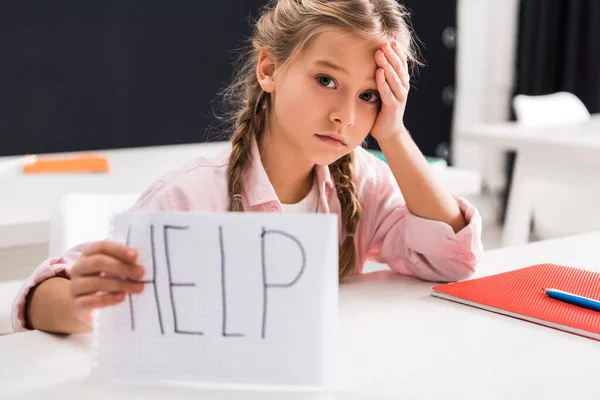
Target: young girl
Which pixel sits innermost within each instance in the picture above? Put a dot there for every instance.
(318, 77)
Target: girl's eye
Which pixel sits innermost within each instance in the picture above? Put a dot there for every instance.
(370, 97)
(325, 81)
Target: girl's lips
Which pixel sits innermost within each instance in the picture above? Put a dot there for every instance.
(333, 139)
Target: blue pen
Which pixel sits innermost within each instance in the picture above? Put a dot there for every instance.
(573, 299)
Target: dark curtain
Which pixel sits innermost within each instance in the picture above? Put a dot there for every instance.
(558, 50)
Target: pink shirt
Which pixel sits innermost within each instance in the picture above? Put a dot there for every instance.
(387, 231)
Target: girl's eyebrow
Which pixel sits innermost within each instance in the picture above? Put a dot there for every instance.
(335, 67)
(329, 64)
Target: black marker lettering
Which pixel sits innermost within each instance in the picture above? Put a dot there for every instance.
(146, 282)
(131, 314)
(153, 281)
(223, 288)
(267, 285)
(174, 284)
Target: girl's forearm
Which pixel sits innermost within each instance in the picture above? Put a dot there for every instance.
(424, 194)
(50, 308)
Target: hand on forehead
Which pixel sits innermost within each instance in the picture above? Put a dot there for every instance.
(349, 52)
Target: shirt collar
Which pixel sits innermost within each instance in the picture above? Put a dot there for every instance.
(257, 187)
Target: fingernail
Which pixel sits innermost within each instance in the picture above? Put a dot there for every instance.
(131, 253)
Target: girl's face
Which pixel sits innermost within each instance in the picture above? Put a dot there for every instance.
(325, 101)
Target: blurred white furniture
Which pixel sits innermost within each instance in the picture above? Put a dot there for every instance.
(8, 292)
(84, 217)
(460, 181)
(567, 154)
(77, 218)
(559, 209)
(27, 200)
(486, 44)
(558, 108)
(396, 341)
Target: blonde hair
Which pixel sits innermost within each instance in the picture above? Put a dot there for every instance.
(285, 27)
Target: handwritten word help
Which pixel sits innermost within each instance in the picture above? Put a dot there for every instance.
(266, 285)
(246, 298)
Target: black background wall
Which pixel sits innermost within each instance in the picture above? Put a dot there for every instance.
(124, 73)
(82, 75)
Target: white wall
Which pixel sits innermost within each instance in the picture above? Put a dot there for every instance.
(486, 57)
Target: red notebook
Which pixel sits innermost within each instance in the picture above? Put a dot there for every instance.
(520, 294)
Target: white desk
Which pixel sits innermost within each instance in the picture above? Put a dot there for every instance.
(568, 154)
(396, 342)
(27, 201)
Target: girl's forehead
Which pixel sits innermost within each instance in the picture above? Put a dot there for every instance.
(354, 53)
(338, 42)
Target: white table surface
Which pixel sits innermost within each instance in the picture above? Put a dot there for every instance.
(396, 342)
(511, 135)
(27, 201)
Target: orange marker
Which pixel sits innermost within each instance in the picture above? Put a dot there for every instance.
(67, 164)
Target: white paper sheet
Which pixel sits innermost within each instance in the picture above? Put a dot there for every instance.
(248, 298)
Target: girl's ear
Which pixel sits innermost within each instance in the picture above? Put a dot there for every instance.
(265, 70)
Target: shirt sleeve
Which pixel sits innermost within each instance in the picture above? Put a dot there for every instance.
(421, 247)
(155, 198)
(59, 266)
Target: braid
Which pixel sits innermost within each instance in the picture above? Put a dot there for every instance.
(249, 123)
(341, 170)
